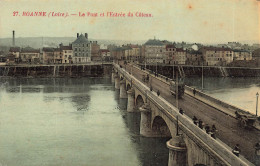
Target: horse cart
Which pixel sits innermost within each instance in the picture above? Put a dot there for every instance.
(246, 120)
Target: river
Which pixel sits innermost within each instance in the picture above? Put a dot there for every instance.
(69, 121)
(240, 92)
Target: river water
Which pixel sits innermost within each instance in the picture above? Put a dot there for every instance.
(68, 121)
(240, 92)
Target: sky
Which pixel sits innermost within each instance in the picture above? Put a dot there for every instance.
(201, 21)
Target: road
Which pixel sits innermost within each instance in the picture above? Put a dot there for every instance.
(228, 130)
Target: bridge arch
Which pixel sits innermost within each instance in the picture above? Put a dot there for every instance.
(139, 101)
(121, 77)
(160, 127)
(128, 86)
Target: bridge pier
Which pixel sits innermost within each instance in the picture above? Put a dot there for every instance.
(113, 77)
(123, 94)
(145, 123)
(131, 100)
(177, 151)
(117, 82)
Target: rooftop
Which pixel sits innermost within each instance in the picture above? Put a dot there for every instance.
(30, 50)
(81, 39)
(216, 49)
(14, 49)
(154, 42)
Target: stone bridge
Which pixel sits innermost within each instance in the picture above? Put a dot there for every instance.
(189, 145)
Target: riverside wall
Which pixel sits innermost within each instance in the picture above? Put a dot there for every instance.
(77, 70)
(208, 71)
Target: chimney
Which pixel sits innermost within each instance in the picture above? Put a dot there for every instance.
(13, 38)
(86, 35)
(77, 35)
(61, 45)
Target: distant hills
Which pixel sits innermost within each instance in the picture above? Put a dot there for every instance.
(39, 42)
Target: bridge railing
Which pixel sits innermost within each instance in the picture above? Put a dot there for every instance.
(230, 109)
(186, 124)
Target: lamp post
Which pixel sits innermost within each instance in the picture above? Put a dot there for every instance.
(132, 69)
(202, 81)
(156, 73)
(257, 94)
(144, 63)
(173, 71)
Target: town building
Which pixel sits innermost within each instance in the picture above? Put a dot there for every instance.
(179, 57)
(256, 54)
(134, 52)
(127, 52)
(67, 54)
(154, 51)
(170, 53)
(81, 49)
(194, 58)
(215, 56)
(30, 55)
(16, 52)
(105, 54)
(118, 53)
(242, 55)
(48, 55)
(95, 55)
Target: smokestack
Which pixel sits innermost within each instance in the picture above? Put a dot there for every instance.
(86, 35)
(77, 35)
(13, 38)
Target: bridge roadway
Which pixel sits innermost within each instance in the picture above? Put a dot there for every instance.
(228, 130)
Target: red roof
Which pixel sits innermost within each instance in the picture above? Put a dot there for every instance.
(180, 50)
(134, 46)
(170, 46)
(104, 50)
(14, 49)
(216, 49)
(66, 47)
(30, 50)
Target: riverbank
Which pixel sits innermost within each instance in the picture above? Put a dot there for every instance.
(207, 71)
(66, 70)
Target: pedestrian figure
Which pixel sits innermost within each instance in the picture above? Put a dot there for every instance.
(151, 88)
(213, 131)
(143, 78)
(195, 120)
(257, 153)
(200, 124)
(236, 150)
(207, 128)
(194, 91)
(158, 93)
(147, 77)
(181, 111)
(257, 149)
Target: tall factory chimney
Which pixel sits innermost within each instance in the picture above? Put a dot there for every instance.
(13, 38)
